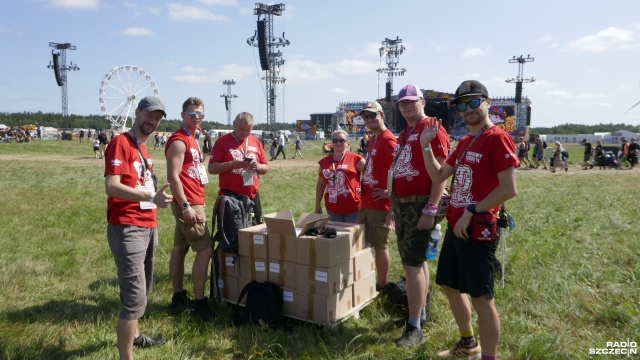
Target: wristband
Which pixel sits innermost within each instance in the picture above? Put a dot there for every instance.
(186, 210)
(426, 148)
(151, 197)
(430, 209)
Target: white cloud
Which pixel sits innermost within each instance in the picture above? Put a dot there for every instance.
(603, 40)
(136, 31)
(154, 10)
(544, 39)
(198, 76)
(182, 13)
(219, 2)
(75, 4)
(472, 52)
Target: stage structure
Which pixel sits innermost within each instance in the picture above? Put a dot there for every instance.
(520, 109)
(227, 98)
(60, 68)
(270, 58)
(392, 49)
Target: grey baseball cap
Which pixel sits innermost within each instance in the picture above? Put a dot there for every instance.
(152, 103)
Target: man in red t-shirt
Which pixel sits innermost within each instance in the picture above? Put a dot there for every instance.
(375, 197)
(413, 191)
(187, 175)
(132, 227)
(483, 165)
(239, 159)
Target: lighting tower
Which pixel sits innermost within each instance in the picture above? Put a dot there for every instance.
(392, 49)
(227, 98)
(60, 68)
(520, 60)
(270, 58)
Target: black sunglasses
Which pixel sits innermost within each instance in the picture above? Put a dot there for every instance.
(370, 116)
(337, 140)
(474, 104)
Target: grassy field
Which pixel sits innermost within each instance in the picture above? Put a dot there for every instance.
(572, 269)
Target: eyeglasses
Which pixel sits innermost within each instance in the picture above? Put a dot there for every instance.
(192, 114)
(370, 116)
(338, 140)
(474, 104)
(408, 102)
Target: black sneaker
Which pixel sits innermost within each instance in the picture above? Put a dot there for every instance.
(180, 299)
(144, 341)
(411, 337)
(202, 309)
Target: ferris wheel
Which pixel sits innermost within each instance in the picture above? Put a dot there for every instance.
(120, 91)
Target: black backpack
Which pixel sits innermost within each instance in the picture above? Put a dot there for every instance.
(263, 306)
(544, 144)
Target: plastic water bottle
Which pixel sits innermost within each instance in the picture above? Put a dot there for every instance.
(432, 250)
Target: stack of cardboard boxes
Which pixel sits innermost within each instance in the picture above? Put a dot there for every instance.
(323, 279)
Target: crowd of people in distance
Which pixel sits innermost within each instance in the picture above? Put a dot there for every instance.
(16, 134)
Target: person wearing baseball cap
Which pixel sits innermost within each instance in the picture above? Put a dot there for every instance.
(374, 194)
(414, 199)
(483, 165)
(132, 231)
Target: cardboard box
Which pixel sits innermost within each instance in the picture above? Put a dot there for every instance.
(323, 309)
(254, 269)
(228, 288)
(324, 252)
(288, 301)
(363, 263)
(364, 289)
(324, 281)
(252, 241)
(356, 231)
(241, 284)
(227, 267)
(282, 273)
(283, 233)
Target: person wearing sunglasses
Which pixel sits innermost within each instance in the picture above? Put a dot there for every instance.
(132, 203)
(412, 191)
(375, 196)
(238, 158)
(483, 168)
(187, 175)
(339, 181)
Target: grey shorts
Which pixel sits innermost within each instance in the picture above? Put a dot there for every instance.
(376, 233)
(133, 250)
(197, 235)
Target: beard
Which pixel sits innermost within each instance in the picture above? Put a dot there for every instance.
(144, 129)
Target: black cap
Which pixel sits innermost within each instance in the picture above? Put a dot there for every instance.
(470, 88)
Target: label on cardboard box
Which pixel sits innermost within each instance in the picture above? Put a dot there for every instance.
(287, 296)
(322, 276)
(258, 239)
(274, 267)
(260, 266)
(252, 241)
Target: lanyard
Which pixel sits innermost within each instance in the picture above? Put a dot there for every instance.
(468, 146)
(335, 168)
(246, 145)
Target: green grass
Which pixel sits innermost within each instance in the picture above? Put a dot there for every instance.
(571, 284)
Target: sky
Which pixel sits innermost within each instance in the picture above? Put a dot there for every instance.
(586, 54)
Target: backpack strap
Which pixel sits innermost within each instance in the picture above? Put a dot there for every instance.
(236, 313)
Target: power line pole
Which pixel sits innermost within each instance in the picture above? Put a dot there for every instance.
(60, 68)
(392, 49)
(270, 59)
(227, 98)
(520, 60)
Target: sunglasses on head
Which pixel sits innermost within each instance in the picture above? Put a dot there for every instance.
(338, 140)
(370, 116)
(474, 104)
(192, 114)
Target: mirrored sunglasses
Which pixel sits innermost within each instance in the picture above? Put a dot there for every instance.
(192, 114)
(474, 104)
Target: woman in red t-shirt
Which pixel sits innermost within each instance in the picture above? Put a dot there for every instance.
(339, 181)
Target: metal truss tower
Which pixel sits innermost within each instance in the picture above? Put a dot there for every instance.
(227, 98)
(520, 60)
(270, 58)
(60, 68)
(392, 49)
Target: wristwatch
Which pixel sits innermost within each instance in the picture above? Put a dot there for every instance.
(472, 209)
(186, 205)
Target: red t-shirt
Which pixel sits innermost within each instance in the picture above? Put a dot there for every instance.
(189, 175)
(342, 181)
(380, 158)
(226, 149)
(122, 158)
(410, 176)
(477, 174)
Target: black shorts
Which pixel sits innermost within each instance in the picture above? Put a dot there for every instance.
(467, 266)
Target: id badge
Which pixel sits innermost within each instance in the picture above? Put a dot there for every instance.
(390, 181)
(204, 178)
(147, 205)
(333, 196)
(247, 177)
